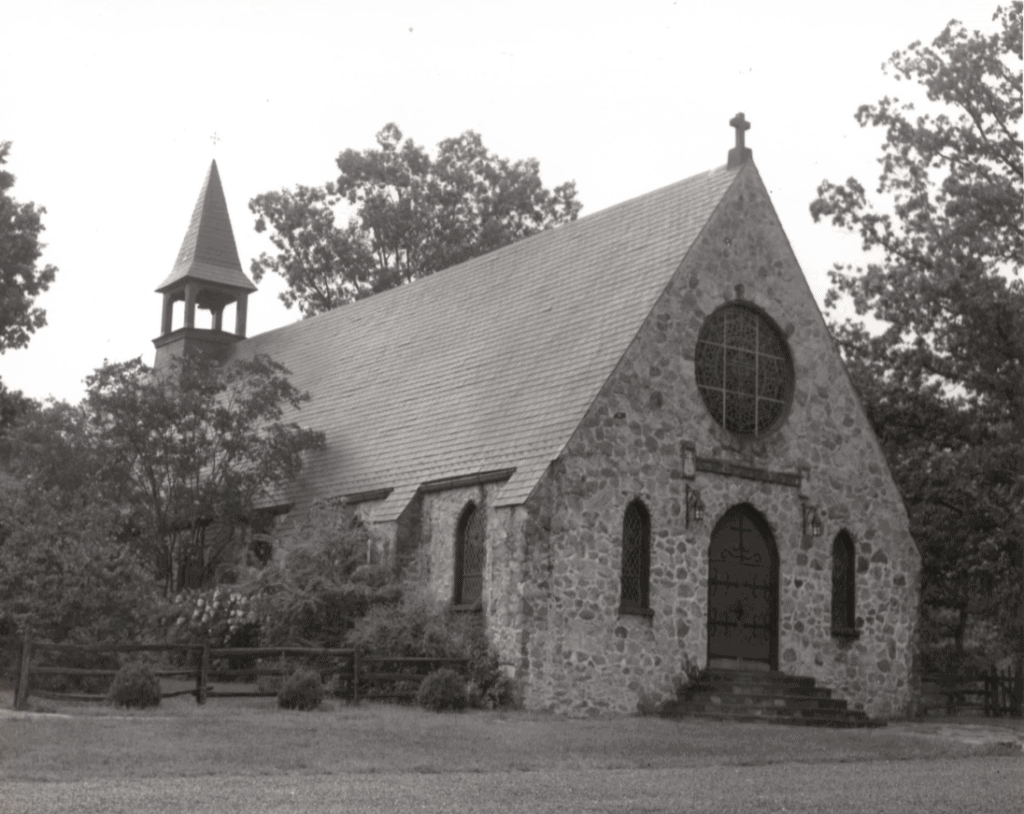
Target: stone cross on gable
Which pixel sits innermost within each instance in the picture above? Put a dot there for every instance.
(741, 124)
(739, 154)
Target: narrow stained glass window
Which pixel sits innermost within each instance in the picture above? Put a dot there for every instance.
(743, 370)
(843, 584)
(470, 557)
(636, 558)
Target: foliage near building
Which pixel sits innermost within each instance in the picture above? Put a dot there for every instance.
(21, 281)
(413, 214)
(191, 451)
(943, 381)
(320, 581)
(65, 570)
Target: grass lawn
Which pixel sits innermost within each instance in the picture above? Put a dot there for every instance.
(254, 737)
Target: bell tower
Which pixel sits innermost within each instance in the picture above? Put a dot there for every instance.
(206, 275)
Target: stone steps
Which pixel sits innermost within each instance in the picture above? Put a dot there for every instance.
(770, 697)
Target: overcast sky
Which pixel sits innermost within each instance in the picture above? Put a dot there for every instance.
(111, 106)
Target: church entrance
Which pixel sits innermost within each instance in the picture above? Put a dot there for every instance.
(743, 591)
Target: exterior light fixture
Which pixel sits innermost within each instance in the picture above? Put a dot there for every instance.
(694, 506)
(812, 523)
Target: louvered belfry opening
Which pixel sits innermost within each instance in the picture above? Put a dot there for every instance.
(743, 370)
(636, 557)
(470, 557)
(843, 583)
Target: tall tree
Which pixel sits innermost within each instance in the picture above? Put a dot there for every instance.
(21, 281)
(192, 451)
(943, 380)
(66, 571)
(68, 567)
(13, 405)
(412, 215)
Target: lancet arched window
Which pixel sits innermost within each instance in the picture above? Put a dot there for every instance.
(844, 588)
(470, 556)
(636, 559)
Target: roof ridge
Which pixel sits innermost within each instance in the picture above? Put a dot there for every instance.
(564, 230)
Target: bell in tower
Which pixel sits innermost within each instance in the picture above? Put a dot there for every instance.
(207, 275)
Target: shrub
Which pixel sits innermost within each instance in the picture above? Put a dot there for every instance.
(302, 690)
(321, 582)
(442, 690)
(420, 625)
(135, 686)
(505, 693)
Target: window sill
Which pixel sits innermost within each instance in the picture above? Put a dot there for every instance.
(845, 633)
(474, 608)
(632, 610)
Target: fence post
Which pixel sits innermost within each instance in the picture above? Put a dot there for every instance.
(355, 675)
(21, 691)
(1017, 701)
(991, 692)
(201, 676)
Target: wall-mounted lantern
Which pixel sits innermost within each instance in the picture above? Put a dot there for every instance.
(812, 523)
(694, 506)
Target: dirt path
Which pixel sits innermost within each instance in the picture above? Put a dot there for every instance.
(990, 784)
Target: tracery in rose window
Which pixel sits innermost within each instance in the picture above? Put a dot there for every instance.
(743, 370)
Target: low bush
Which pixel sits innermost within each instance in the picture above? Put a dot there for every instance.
(303, 690)
(443, 690)
(135, 686)
(505, 693)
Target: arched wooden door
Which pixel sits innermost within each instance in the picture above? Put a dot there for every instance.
(743, 593)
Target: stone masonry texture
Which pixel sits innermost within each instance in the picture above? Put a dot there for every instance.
(552, 583)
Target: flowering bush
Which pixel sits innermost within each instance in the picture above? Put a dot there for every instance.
(221, 616)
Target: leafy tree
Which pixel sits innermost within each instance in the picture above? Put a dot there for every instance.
(413, 215)
(13, 405)
(20, 279)
(52, 447)
(64, 569)
(191, 451)
(943, 379)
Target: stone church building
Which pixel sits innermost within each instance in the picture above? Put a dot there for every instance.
(628, 442)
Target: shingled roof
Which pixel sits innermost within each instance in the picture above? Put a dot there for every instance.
(491, 364)
(208, 252)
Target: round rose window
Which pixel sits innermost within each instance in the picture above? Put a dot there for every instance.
(744, 371)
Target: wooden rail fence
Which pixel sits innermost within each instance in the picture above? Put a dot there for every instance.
(355, 675)
(995, 692)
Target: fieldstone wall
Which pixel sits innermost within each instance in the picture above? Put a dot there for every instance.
(576, 651)
(439, 517)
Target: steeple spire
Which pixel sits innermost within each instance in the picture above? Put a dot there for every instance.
(207, 274)
(208, 251)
